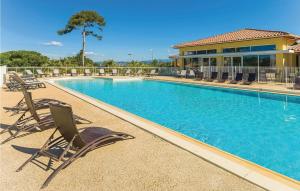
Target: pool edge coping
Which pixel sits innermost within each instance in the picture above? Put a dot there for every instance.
(243, 168)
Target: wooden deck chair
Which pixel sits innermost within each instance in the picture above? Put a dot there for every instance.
(77, 143)
(34, 121)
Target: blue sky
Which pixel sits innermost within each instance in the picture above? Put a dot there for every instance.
(135, 26)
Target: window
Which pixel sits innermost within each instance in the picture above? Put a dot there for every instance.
(228, 50)
(213, 61)
(201, 52)
(195, 62)
(263, 48)
(250, 60)
(243, 49)
(227, 61)
(191, 52)
(205, 61)
(212, 51)
(267, 60)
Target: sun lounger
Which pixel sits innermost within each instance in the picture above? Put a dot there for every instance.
(223, 78)
(152, 73)
(139, 72)
(74, 72)
(270, 77)
(128, 72)
(213, 76)
(114, 72)
(55, 73)
(297, 83)
(33, 122)
(199, 75)
(182, 74)
(21, 106)
(28, 73)
(101, 72)
(40, 73)
(76, 143)
(87, 72)
(250, 80)
(28, 84)
(191, 74)
(238, 78)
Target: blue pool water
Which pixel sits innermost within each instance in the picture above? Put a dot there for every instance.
(261, 127)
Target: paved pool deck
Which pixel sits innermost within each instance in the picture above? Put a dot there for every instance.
(144, 163)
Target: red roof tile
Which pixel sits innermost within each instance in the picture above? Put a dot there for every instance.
(296, 48)
(240, 35)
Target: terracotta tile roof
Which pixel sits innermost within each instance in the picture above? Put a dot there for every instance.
(240, 35)
(296, 48)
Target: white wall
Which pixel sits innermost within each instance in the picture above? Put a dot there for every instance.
(2, 75)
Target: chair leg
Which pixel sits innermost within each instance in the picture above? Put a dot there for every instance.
(26, 162)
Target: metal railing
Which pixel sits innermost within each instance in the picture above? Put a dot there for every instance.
(280, 74)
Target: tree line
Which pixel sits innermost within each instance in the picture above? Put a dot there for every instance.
(24, 58)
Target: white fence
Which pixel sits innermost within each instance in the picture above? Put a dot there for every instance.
(281, 74)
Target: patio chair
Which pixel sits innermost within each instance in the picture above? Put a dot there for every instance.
(21, 106)
(12, 84)
(213, 76)
(101, 72)
(28, 73)
(87, 72)
(297, 83)
(152, 73)
(128, 72)
(34, 121)
(199, 75)
(223, 78)
(74, 72)
(250, 80)
(72, 143)
(40, 73)
(55, 73)
(238, 78)
(114, 72)
(28, 84)
(270, 77)
(139, 72)
(191, 74)
(182, 74)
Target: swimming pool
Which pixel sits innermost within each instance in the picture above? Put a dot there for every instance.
(260, 127)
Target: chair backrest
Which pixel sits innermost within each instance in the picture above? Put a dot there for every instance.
(87, 71)
(73, 71)
(56, 71)
(239, 77)
(30, 104)
(64, 120)
(153, 71)
(214, 75)
(18, 79)
(28, 72)
(183, 72)
(270, 76)
(251, 77)
(200, 75)
(114, 71)
(297, 80)
(101, 71)
(191, 73)
(39, 71)
(225, 75)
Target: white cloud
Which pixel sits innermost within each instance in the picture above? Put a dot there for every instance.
(53, 43)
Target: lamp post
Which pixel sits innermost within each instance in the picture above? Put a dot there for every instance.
(152, 54)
